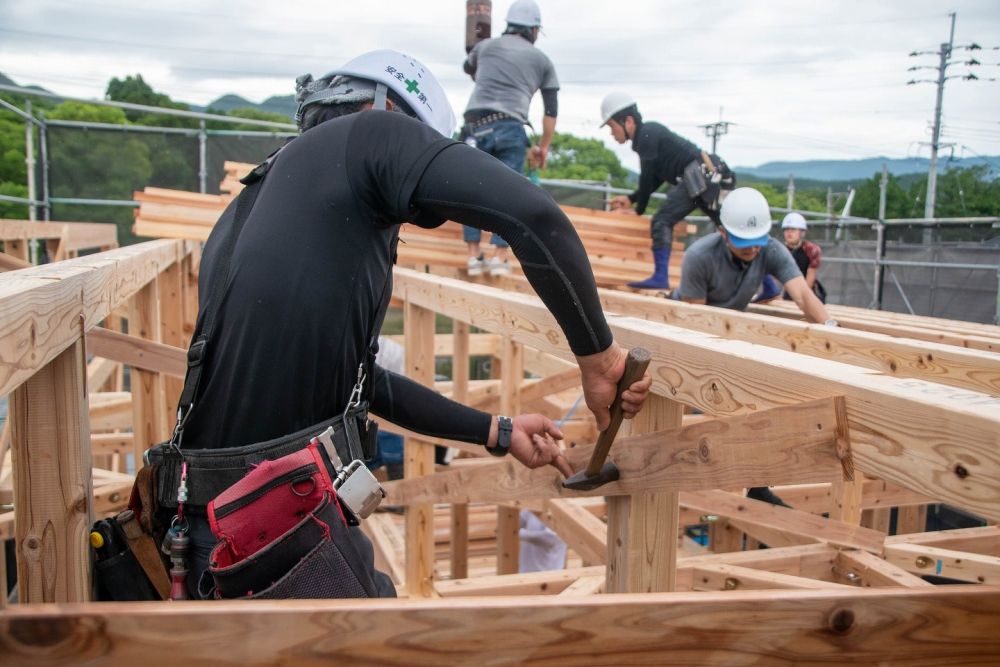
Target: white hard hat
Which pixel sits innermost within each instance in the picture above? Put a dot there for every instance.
(403, 74)
(613, 103)
(746, 216)
(526, 13)
(793, 221)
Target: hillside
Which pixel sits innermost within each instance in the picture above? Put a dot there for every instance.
(850, 170)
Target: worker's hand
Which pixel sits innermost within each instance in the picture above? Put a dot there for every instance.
(533, 443)
(621, 203)
(543, 156)
(601, 373)
(537, 157)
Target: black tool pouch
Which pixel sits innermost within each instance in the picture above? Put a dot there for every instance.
(128, 563)
(694, 179)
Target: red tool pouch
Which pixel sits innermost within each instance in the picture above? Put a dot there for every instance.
(283, 534)
(267, 503)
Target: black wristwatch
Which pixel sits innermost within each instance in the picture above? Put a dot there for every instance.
(504, 428)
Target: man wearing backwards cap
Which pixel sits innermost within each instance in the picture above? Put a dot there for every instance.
(725, 268)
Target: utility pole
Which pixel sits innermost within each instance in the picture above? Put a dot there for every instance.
(716, 130)
(944, 61)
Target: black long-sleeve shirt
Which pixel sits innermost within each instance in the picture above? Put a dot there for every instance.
(311, 277)
(662, 158)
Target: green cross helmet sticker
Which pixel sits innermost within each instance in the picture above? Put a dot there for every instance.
(411, 86)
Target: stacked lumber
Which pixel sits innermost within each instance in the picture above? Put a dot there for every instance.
(63, 240)
(177, 214)
(618, 245)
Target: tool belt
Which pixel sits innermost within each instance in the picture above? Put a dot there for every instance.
(284, 534)
(705, 185)
(212, 471)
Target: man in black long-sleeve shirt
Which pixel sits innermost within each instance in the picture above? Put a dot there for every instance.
(698, 179)
(311, 274)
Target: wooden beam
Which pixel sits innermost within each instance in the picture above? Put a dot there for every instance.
(642, 527)
(508, 518)
(582, 532)
(146, 355)
(461, 343)
(961, 565)
(52, 484)
(418, 324)
(984, 539)
(788, 521)
(549, 582)
(944, 625)
(791, 444)
(864, 569)
(724, 577)
(389, 545)
(585, 586)
(40, 307)
(906, 431)
(149, 419)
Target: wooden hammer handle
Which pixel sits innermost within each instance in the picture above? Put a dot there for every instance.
(635, 366)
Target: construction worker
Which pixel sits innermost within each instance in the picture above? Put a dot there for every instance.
(508, 71)
(697, 179)
(726, 268)
(807, 255)
(298, 310)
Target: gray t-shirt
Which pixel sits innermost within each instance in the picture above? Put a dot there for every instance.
(509, 70)
(711, 272)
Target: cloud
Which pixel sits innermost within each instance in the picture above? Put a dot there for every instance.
(798, 80)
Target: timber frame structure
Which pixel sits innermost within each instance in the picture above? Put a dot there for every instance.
(889, 411)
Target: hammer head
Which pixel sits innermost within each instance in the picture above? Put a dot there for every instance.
(583, 482)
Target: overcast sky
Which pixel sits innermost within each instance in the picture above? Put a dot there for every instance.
(800, 79)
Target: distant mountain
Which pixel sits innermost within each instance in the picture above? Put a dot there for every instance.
(280, 104)
(847, 170)
(7, 81)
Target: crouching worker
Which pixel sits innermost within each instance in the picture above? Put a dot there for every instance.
(294, 284)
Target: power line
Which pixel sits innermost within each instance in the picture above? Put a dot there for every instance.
(944, 54)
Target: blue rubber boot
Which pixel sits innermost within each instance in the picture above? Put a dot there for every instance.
(660, 278)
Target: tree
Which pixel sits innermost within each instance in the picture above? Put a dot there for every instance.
(134, 90)
(581, 159)
(866, 199)
(252, 114)
(96, 165)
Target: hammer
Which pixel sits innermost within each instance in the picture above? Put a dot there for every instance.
(598, 473)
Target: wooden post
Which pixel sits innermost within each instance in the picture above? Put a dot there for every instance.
(724, 537)
(50, 431)
(877, 519)
(911, 519)
(643, 527)
(846, 493)
(171, 296)
(508, 518)
(149, 421)
(418, 325)
(460, 511)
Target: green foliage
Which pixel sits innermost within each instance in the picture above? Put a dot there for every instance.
(9, 209)
(87, 113)
(576, 158)
(970, 192)
(867, 196)
(252, 114)
(134, 90)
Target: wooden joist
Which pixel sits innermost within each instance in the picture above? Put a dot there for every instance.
(943, 625)
(942, 440)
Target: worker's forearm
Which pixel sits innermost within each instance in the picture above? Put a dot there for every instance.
(548, 131)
